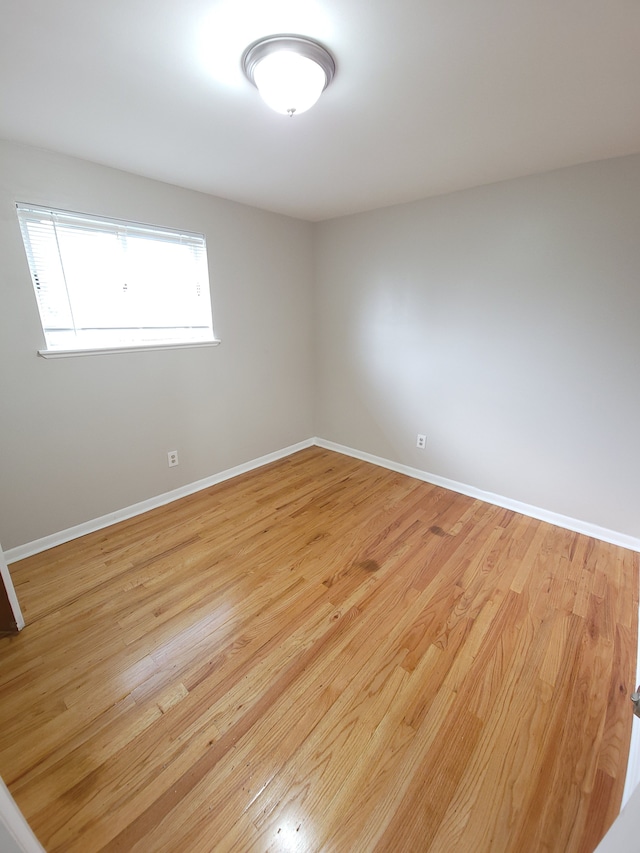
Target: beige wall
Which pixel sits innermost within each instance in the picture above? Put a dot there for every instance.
(503, 322)
(82, 437)
(500, 321)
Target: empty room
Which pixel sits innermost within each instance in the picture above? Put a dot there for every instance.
(319, 357)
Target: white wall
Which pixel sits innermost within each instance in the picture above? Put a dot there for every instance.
(624, 834)
(16, 835)
(82, 437)
(503, 322)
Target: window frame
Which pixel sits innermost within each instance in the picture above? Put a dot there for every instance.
(127, 229)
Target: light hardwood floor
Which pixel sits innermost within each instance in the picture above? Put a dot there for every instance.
(321, 655)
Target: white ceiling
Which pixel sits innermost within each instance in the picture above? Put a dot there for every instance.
(429, 96)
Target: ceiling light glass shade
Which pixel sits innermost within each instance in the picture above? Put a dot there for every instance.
(289, 83)
(290, 72)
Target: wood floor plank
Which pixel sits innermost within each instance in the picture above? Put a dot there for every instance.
(321, 655)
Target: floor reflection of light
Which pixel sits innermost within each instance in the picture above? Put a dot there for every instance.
(205, 629)
(291, 838)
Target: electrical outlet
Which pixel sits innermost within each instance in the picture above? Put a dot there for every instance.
(172, 456)
(421, 441)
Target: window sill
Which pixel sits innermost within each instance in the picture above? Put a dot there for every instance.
(69, 353)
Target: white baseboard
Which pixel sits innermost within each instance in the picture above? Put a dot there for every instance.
(602, 533)
(38, 545)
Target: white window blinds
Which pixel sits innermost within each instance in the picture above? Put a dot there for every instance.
(110, 284)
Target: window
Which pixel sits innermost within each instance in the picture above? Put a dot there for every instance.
(106, 284)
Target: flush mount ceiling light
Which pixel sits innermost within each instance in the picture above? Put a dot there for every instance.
(290, 72)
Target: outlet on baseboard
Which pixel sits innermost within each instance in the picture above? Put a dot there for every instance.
(172, 457)
(421, 441)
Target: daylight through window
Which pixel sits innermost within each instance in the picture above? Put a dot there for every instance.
(110, 284)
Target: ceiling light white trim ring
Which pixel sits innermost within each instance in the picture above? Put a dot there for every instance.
(297, 44)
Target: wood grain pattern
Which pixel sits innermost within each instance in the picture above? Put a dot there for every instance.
(321, 655)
